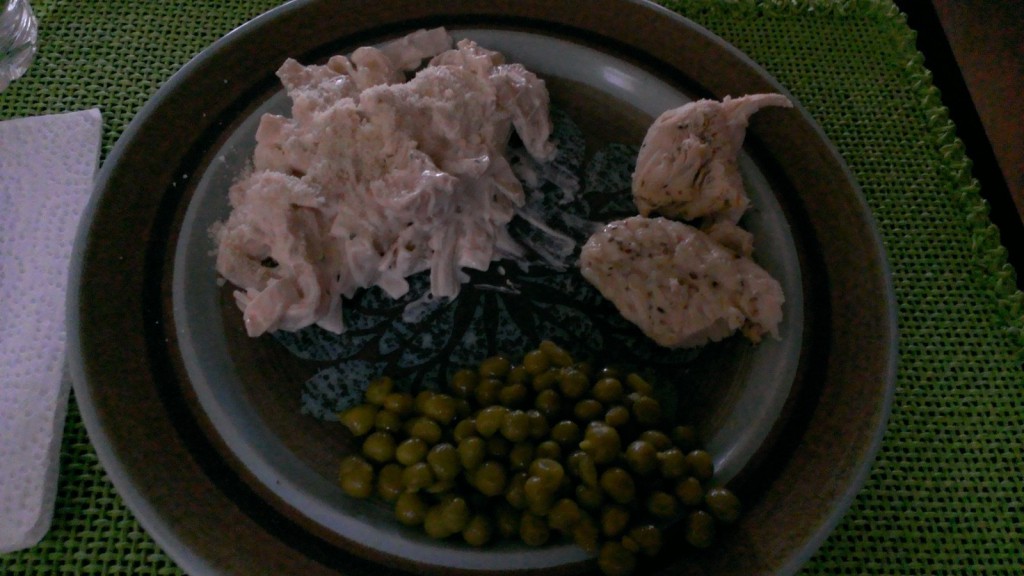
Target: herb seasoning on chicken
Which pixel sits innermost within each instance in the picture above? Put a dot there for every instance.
(687, 165)
(679, 286)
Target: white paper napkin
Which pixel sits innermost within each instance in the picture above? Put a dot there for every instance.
(47, 165)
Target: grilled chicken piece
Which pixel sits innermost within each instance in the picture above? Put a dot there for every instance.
(682, 288)
(687, 164)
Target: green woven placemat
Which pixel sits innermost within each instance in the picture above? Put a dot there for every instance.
(946, 494)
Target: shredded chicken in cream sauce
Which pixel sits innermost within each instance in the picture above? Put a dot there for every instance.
(374, 178)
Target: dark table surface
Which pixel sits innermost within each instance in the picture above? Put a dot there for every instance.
(975, 50)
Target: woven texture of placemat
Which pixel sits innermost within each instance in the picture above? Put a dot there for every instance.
(946, 494)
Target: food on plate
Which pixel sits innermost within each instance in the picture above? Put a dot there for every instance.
(684, 286)
(507, 452)
(687, 166)
(681, 287)
(375, 178)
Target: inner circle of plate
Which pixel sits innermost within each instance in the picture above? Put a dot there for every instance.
(765, 372)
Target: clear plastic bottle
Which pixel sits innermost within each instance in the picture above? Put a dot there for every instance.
(18, 31)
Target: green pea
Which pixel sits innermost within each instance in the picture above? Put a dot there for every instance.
(389, 482)
(586, 533)
(417, 476)
(684, 438)
(533, 530)
(656, 438)
(518, 375)
(387, 421)
(615, 560)
(444, 461)
(463, 383)
(478, 531)
(379, 447)
(548, 449)
(672, 463)
(607, 390)
(689, 491)
(490, 419)
(723, 504)
(587, 369)
(631, 398)
(545, 380)
(539, 496)
(614, 520)
(618, 485)
(434, 523)
(359, 419)
(378, 390)
(602, 442)
(566, 433)
(515, 490)
(648, 539)
(425, 429)
(400, 403)
(700, 464)
(700, 529)
(440, 487)
(637, 383)
(646, 411)
(490, 478)
(515, 426)
(421, 399)
(548, 402)
(514, 395)
(581, 466)
(630, 544)
(588, 409)
(641, 457)
(589, 497)
(356, 477)
(440, 408)
(455, 513)
(495, 367)
(472, 452)
(411, 451)
(410, 509)
(539, 427)
(617, 416)
(556, 355)
(464, 429)
(662, 505)
(573, 383)
(549, 471)
(487, 390)
(564, 515)
(536, 362)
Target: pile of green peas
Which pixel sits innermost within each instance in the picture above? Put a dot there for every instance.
(542, 449)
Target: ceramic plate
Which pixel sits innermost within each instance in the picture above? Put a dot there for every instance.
(221, 443)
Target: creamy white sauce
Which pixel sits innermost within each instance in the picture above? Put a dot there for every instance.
(374, 178)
